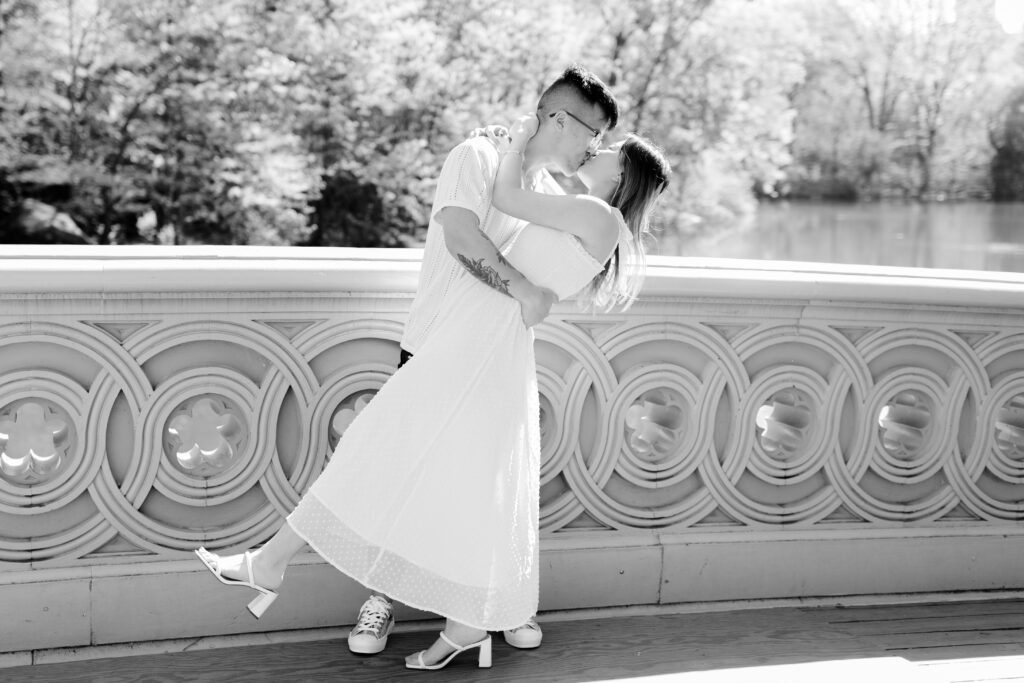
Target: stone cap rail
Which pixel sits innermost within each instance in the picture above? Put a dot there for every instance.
(126, 269)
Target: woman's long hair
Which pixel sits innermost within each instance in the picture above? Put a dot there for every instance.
(645, 175)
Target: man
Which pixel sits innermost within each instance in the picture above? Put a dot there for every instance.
(465, 236)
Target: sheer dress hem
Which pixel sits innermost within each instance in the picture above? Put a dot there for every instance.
(378, 569)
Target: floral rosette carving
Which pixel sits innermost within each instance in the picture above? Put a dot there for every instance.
(783, 422)
(205, 438)
(653, 425)
(1009, 428)
(903, 424)
(33, 443)
(345, 414)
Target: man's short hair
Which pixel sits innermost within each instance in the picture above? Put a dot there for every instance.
(577, 81)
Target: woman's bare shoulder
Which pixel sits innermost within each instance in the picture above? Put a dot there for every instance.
(603, 233)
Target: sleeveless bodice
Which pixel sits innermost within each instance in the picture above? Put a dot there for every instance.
(552, 259)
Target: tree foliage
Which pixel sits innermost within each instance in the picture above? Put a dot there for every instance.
(325, 122)
(899, 98)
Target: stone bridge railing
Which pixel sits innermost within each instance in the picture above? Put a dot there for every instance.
(747, 431)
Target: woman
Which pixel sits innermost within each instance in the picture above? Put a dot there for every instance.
(439, 508)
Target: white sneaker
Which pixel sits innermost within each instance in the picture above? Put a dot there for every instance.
(370, 634)
(526, 636)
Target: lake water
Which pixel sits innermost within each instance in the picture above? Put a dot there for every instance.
(970, 235)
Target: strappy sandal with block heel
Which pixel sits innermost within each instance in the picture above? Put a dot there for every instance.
(261, 602)
(484, 660)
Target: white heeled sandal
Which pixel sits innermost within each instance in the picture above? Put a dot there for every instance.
(484, 660)
(261, 602)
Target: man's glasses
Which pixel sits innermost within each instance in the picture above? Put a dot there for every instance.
(595, 134)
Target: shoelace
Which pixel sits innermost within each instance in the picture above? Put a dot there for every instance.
(372, 618)
(530, 625)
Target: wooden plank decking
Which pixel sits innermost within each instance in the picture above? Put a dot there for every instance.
(968, 641)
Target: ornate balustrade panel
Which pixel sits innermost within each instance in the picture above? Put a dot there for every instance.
(152, 400)
(685, 424)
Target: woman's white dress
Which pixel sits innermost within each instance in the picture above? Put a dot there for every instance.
(432, 495)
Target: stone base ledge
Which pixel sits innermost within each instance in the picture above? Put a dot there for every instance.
(49, 609)
(157, 647)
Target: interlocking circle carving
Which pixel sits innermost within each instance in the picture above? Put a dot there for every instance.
(148, 433)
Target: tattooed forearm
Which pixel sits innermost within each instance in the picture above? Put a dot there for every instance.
(485, 274)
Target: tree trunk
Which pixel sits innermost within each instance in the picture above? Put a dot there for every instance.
(924, 160)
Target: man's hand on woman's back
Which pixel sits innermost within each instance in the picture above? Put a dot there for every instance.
(535, 308)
